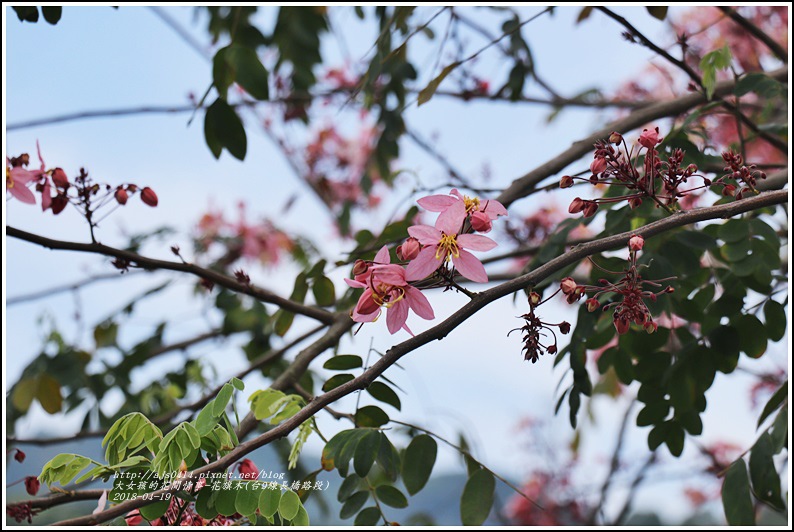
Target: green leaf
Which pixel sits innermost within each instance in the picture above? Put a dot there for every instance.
(418, 462)
(353, 504)
(734, 231)
(155, 510)
(247, 500)
(711, 62)
(289, 505)
(388, 458)
(324, 292)
(105, 334)
(774, 402)
(336, 381)
(477, 498)
(657, 12)
(367, 517)
(224, 129)
(764, 476)
(220, 402)
(23, 394)
(584, 14)
(775, 316)
(779, 432)
(427, 93)
(49, 394)
(366, 451)
(370, 416)
(653, 414)
(248, 70)
(340, 362)
(349, 487)
(206, 421)
(225, 500)
(302, 519)
(269, 500)
(205, 506)
(383, 393)
(237, 383)
(752, 335)
(736, 498)
(391, 496)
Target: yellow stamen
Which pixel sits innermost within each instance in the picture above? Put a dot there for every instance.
(472, 204)
(447, 247)
(9, 179)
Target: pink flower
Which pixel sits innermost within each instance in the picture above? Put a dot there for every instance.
(442, 243)
(598, 165)
(650, 138)
(18, 178)
(440, 203)
(133, 518)
(385, 285)
(636, 242)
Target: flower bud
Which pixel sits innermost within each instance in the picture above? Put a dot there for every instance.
(551, 349)
(149, 197)
(248, 470)
(650, 138)
(59, 203)
(19, 456)
(409, 249)
(565, 327)
(615, 138)
(480, 222)
(534, 298)
(598, 165)
(576, 206)
(568, 285)
(650, 327)
(32, 485)
(360, 267)
(589, 209)
(635, 201)
(729, 190)
(566, 181)
(592, 304)
(121, 196)
(636, 242)
(621, 325)
(59, 178)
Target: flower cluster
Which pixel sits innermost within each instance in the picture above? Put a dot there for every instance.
(82, 192)
(741, 176)
(533, 330)
(630, 307)
(22, 512)
(434, 254)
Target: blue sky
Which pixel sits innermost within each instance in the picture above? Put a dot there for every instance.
(98, 58)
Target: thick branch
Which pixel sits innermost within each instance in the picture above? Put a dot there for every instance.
(439, 331)
(526, 184)
(156, 264)
(56, 499)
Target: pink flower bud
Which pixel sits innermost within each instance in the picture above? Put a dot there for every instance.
(480, 222)
(589, 209)
(19, 456)
(409, 249)
(615, 138)
(576, 205)
(635, 202)
(592, 304)
(565, 327)
(650, 138)
(534, 298)
(367, 306)
(149, 197)
(568, 285)
(636, 242)
(598, 165)
(566, 181)
(360, 267)
(59, 178)
(121, 196)
(248, 470)
(32, 485)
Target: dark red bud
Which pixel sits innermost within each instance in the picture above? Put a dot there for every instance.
(32, 485)
(19, 456)
(59, 178)
(121, 196)
(149, 197)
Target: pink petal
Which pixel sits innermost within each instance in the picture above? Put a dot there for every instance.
(470, 267)
(476, 242)
(494, 209)
(46, 198)
(423, 265)
(383, 256)
(436, 203)
(355, 284)
(396, 316)
(451, 220)
(103, 501)
(392, 274)
(38, 150)
(455, 192)
(419, 303)
(22, 193)
(426, 235)
(366, 306)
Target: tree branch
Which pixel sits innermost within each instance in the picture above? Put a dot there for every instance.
(59, 498)
(439, 331)
(231, 283)
(47, 292)
(756, 32)
(526, 184)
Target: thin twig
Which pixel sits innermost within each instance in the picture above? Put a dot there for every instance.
(756, 32)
